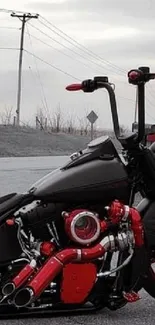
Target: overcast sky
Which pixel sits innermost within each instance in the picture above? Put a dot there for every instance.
(121, 33)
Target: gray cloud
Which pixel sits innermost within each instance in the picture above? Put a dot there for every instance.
(132, 8)
(125, 52)
(83, 20)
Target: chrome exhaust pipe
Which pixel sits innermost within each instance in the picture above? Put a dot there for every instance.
(8, 289)
(19, 279)
(23, 297)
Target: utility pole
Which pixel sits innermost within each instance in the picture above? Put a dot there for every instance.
(24, 18)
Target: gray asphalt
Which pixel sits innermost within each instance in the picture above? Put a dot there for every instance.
(19, 174)
(139, 313)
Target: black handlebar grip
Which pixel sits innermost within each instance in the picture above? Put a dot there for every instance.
(88, 86)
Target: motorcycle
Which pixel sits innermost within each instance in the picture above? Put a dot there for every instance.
(75, 242)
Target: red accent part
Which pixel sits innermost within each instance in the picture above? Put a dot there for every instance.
(45, 276)
(131, 296)
(104, 226)
(78, 281)
(47, 248)
(151, 137)
(85, 230)
(74, 87)
(23, 275)
(134, 75)
(10, 222)
(89, 254)
(67, 255)
(137, 227)
(55, 265)
(116, 211)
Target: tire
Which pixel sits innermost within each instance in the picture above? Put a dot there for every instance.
(148, 282)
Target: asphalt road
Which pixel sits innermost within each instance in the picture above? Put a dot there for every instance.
(140, 313)
(19, 174)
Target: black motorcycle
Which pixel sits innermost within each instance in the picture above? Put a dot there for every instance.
(75, 241)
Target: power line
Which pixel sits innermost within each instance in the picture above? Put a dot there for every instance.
(14, 11)
(125, 98)
(69, 49)
(63, 53)
(69, 56)
(150, 92)
(81, 46)
(130, 99)
(44, 100)
(52, 66)
(150, 103)
(34, 77)
(5, 27)
(9, 48)
(86, 52)
(68, 73)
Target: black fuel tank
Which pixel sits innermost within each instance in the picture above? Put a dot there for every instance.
(96, 175)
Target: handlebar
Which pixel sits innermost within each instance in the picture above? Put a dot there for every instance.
(92, 85)
(136, 77)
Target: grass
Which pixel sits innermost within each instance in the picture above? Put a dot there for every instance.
(28, 142)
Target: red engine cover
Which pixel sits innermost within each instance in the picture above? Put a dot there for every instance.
(78, 281)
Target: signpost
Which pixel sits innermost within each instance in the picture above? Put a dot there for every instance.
(92, 117)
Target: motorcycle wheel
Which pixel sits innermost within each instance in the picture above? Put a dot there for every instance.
(148, 281)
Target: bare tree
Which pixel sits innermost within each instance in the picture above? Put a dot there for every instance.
(41, 118)
(83, 126)
(70, 125)
(7, 116)
(58, 120)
